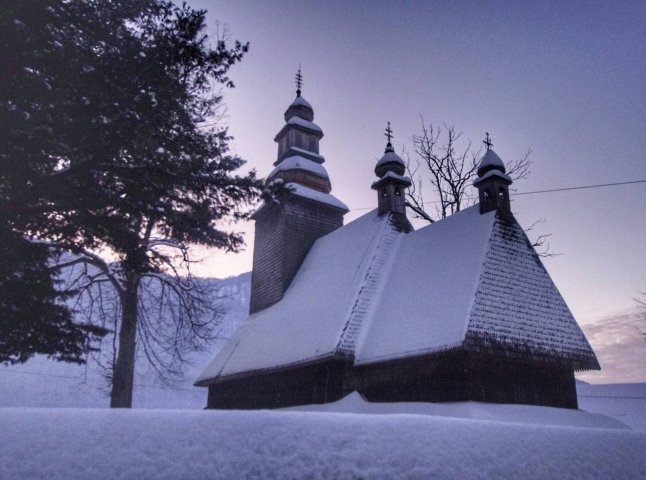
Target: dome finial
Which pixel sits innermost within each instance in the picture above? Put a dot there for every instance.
(487, 141)
(299, 81)
(389, 136)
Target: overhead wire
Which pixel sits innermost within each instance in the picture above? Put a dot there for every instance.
(548, 190)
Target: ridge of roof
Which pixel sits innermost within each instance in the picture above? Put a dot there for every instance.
(381, 256)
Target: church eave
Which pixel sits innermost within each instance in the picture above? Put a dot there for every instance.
(317, 132)
(266, 371)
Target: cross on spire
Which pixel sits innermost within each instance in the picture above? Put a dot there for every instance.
(299, 81)
(389, 133)
(487, 141)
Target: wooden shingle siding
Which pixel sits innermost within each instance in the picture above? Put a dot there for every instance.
(285, 232)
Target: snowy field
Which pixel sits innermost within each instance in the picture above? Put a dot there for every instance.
(170, 444)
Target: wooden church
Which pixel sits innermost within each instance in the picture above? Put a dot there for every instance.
(462, 309)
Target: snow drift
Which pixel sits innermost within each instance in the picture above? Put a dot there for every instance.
(163, 444)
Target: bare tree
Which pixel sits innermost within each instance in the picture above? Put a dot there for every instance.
(176, 313)
(449, 165)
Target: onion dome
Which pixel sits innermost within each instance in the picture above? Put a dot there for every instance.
(300, 108)
(490, 161)
(390, 162)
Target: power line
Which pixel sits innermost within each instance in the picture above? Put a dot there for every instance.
(637, 397)
(580, 187)
(549, 190)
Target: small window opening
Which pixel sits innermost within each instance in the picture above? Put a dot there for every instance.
(384, 193)
(397, 192)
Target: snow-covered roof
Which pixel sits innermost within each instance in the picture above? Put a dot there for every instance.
(491, 160)
(389, 157)
(300, 101)
(305, 325)
(301, 122)
(469, 281)
(298, 162)
(394, 176)
(293, 150)
(492, 173)
(310, 193)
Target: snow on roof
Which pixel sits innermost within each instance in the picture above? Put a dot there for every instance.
(491, 173)
(292, 150)
(491, 159)
(430, 289)
(390, 157)
(301, 122)
(298, 162)
(371, 293)
(300, 101)
(310, 193)
(393, 175)
(306, 323)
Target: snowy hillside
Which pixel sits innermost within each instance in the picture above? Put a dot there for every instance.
(163, 444)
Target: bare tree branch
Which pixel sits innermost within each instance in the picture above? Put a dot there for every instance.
(449, 167)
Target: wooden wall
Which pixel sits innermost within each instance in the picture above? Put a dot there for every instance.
(449, 377)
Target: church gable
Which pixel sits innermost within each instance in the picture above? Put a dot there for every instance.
(518, 310)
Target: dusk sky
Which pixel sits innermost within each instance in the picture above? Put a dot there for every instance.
(565, 79)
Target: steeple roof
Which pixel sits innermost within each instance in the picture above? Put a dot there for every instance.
(299, 108)
(299, 164)
(491, 165)
(490, 161)
(390, 161)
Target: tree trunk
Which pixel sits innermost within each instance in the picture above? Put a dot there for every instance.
(124, 370)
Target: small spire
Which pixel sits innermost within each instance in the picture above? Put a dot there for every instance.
(389, 135)
(299, 81)
(487, 141)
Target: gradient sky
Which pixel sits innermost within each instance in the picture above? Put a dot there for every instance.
(566, 79)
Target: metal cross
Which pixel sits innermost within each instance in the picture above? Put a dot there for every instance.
(389, 133)
(487, 141)
(299, 81)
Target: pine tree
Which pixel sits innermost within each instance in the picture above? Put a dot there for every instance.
(128, 151)
(32, 318)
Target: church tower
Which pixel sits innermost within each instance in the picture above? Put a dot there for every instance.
(492, 182)
(300, 210)
(391, 186)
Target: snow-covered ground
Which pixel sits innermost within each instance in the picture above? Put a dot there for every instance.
(170, 444)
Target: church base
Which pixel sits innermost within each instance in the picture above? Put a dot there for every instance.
(450, 377)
